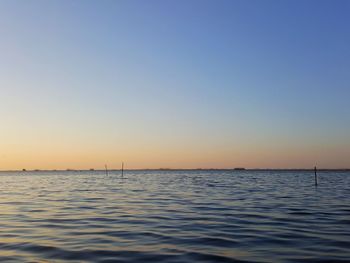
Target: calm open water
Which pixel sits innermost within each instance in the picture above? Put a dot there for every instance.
(174, 216)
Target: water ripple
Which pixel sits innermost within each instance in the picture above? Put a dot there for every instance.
(174, 216)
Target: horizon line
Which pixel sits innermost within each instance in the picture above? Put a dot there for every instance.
(175, 169)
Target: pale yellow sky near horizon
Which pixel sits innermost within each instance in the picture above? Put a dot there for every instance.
(80, 155)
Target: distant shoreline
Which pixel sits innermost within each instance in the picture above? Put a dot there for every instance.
(182, 169)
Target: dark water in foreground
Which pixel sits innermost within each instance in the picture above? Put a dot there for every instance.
(175, 216)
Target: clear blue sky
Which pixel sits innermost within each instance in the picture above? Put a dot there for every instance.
(175, 83)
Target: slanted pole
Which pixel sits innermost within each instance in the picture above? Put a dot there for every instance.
(106, 169)
(315, 169)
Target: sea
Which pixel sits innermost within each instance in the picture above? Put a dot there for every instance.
(175, 216)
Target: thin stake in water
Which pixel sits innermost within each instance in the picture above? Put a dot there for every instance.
(106, 169)
(122, 169)
(315, 169)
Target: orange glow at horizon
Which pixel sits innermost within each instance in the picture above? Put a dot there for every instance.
(191, 155)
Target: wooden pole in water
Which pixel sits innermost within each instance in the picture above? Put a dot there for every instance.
(122, 169)
(106, 169)
(315, 176)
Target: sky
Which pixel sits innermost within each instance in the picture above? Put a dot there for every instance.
(174, 84)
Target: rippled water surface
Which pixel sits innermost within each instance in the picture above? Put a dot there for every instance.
(174, 216)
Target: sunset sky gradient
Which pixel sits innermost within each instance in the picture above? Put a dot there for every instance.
(174, 84)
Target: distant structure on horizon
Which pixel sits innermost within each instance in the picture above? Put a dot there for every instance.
(239, 169)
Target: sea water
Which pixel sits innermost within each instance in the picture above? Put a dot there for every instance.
(174, 216)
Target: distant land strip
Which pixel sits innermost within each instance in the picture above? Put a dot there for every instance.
(182, 169)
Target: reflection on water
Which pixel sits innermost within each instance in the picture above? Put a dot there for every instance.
(175, 216)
